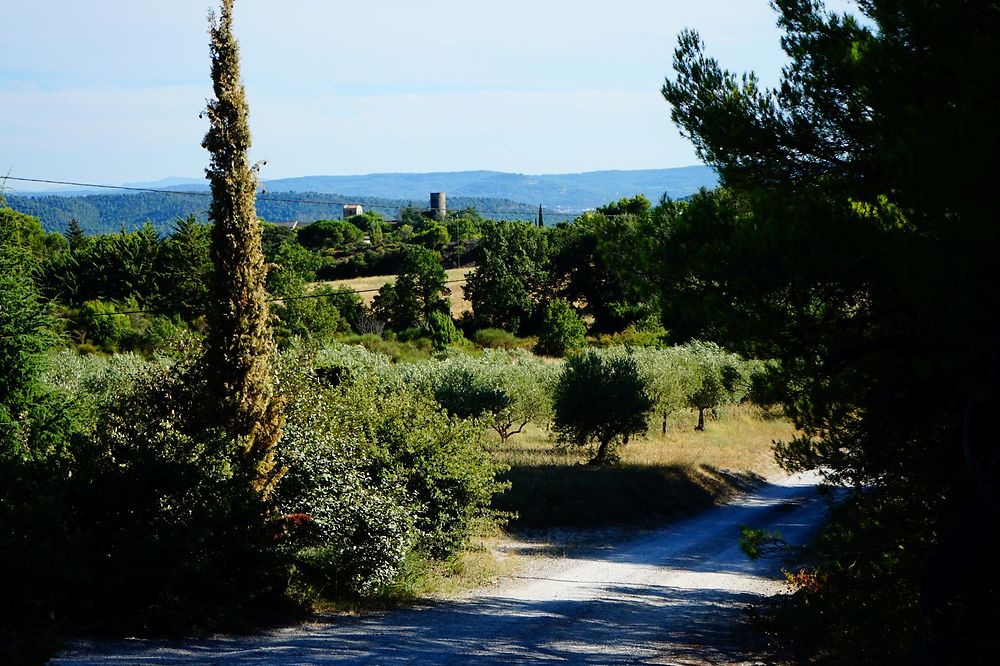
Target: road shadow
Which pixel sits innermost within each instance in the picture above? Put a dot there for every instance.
(685, 607)
(563, 631)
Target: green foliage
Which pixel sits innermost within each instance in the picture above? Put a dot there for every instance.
(239, 343)
(562, 332)
(273, 236)
(165, 535)
(464, 225)
(329, 234)
(291, 257)
(844, 250)
(419, 478)
(719, 378)
(510, 278)
(497, 338)
(600, 398)
(592, 262)
(431, 234)
(318, 314)
(25, 232)
(23, 335)
(441, 330)
(418, 291)
(313, 316)
(504, 391)
(372, 224)
(34, 433)
(183, 270)
(350, 529)
(637, 206)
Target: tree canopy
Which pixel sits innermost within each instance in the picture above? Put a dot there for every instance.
(855, 244)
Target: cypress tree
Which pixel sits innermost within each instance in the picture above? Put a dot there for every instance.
(239, 344)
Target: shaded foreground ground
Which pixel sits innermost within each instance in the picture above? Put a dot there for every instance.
(669, 597)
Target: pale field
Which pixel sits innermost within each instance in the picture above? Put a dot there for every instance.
(740, 439)
(369, 286)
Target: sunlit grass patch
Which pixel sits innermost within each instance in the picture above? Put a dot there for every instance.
(660, 477)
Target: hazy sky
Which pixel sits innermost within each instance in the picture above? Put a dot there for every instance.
(109, 91)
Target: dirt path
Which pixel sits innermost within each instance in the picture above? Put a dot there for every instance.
(670, 597)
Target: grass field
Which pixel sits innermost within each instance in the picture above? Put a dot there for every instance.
(369, 286)
(660, 478)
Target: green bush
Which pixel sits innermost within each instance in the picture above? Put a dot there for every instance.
(563, 331)
(353, 527)
(496, 338)
(164, 537)
(441, 330)
(98, 325)
(379, 470)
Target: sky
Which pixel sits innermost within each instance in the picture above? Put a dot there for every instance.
(110, 91)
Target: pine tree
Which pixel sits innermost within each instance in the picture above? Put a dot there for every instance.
(239, 345)
(74, 234)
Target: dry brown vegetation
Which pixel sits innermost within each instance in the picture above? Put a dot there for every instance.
(660, 478)
(369, 286)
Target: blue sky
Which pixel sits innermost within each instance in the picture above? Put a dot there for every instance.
(110, 91)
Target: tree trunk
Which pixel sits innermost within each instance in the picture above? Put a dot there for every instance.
(602, 454)
(701, 419)
(664, 423)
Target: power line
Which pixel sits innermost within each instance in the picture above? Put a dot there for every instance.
(262, 196)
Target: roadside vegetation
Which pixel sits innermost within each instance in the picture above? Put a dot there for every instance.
(199, 431)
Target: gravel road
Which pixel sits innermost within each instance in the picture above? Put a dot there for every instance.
(668, 597)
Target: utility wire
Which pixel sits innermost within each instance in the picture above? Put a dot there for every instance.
(262, 196)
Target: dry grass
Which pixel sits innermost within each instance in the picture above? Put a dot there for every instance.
(739, 440)
(660, 478)
(369, 286)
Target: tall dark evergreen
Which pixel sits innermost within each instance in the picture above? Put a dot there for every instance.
(239, 345)
(75, 236)
(865, 259)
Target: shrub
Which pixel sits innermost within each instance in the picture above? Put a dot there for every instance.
(562, 332)
(379, 470)
(441, 330)
(357, 527)
(164, 535)
(496, 338)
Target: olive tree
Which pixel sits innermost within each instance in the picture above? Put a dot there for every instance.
(600, 399)
(719, 378)
(505, 391)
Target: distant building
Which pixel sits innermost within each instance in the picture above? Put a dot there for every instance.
(351, 210)
(439, 208)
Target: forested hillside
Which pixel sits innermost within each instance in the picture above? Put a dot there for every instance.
(108, 213)
(564, 192)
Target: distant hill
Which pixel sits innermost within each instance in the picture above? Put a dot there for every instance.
(493, 193)
(572, 192)
(108, 213)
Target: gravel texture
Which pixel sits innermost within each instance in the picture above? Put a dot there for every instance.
(672, 596)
